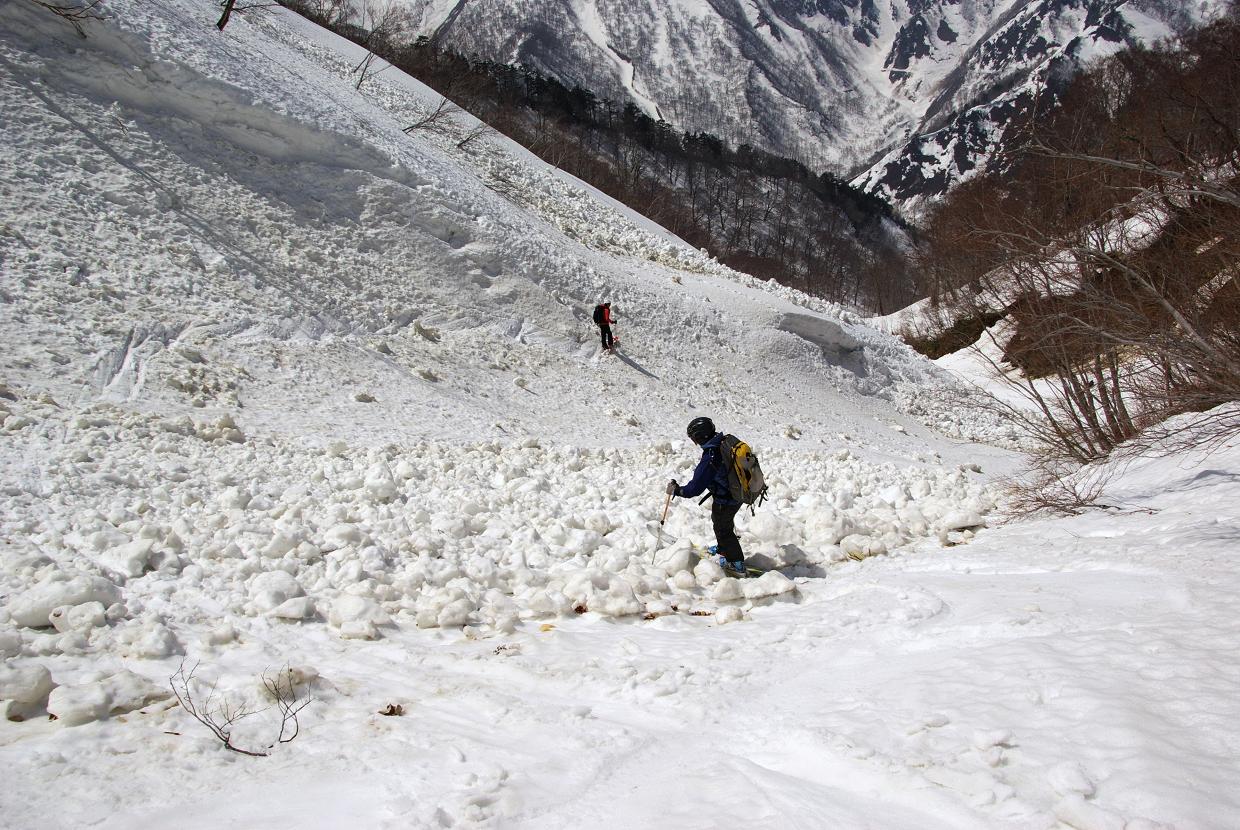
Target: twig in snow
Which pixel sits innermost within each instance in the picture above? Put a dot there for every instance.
(220, 714)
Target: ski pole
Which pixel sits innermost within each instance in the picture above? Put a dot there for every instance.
(658, 534)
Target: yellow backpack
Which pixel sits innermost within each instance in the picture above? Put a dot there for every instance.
(746, 483)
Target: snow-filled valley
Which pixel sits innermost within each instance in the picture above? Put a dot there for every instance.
(288, 392)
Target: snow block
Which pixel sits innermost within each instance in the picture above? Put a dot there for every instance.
(359, 630)
(297, 608)
(769, 527)
(33, 609)
(116, 694)
(132, 559)
(961, 519)
(82, 617)
(862, 547)
(770, 584)
(618, 601)
(10, 643)
(24, 690)
(727, 589)
(549, 603)
(148, 638)
(340, 536)
(683, 581)
(271, 589)
(379, 484)
(675, 560)
(350, 609)
(707, 572)
(455, 614)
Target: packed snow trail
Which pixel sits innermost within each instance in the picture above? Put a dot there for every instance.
(283, 386)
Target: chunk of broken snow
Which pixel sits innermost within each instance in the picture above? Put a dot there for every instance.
(729, 614)
(707, 572)
(297, 608)
(771, 528)
(770, 584)
(379, 485)
(131, 559)
(10, 643)
(618, 601)
(148, 638)
(34, 607)
(961, 519)
(684, 581)
(88, 615)
(272, 589)
(351, 609)
(340, 536)
(727, 590)
(674, 560)
(862, 547)
(280, 544)
(115, 694)
(24, 690)
(547, 603)
(455, 614)
(359, 630)
(234, 498)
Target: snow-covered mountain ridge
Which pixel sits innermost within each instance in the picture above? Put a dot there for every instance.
(843, 86)
(286, 392)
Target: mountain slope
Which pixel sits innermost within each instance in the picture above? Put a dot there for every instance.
(352, 232)
(843, 86)
(286, 393)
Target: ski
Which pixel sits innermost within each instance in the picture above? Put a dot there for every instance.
(750, 571)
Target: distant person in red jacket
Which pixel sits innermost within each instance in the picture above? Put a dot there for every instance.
(602, 318)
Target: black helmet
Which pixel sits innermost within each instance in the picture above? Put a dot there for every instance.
(701, 430)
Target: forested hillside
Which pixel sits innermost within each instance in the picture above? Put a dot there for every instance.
(1108, 246)
(905, 97)
(768, 216)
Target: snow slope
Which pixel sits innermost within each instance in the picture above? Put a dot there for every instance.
(287, 391)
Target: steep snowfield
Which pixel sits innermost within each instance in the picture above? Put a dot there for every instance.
(286, 391)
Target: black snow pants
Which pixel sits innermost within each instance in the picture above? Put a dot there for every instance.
(722, 516)
(605, 332)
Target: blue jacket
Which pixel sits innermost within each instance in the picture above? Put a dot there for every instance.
(709, 475)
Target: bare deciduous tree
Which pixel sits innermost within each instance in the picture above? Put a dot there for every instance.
(475, 134)
(76, 13)
(439, 120)
(230, 6)
(1112, 246)
(386, 23)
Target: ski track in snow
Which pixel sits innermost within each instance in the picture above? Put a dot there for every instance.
(285, 387)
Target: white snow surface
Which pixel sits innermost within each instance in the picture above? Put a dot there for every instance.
(289, 393)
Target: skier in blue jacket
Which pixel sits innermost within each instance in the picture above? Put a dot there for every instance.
(711, 475)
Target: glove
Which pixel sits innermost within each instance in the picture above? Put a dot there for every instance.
(672, 487)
